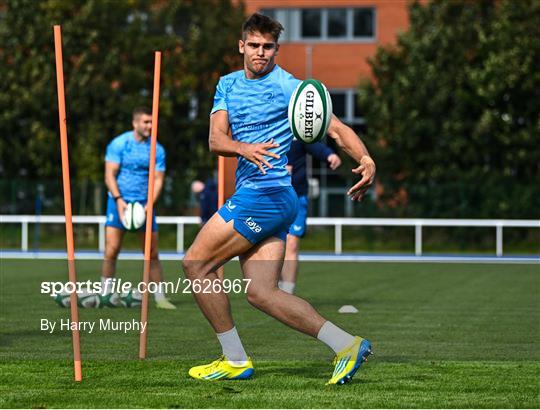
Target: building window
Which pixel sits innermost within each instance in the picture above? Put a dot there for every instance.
(363, 23)
(339, 104)
(345, 106)
(326, 24)
(311, 23)
(357, 112)
(337, 23)
(269, 12)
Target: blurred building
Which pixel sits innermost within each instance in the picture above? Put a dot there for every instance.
(331, 40)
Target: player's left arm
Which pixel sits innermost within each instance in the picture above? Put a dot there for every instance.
(349, 142)
(159, 175)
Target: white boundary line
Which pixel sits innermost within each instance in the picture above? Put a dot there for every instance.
(308, 257)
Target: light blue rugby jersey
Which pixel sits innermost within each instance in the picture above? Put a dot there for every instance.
(134, 160)
(257, 111)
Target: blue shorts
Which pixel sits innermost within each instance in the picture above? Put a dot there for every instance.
(261, 213)
(298, 227)
(113, 219)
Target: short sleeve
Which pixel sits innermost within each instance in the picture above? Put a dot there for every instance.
(114, 150)
(289, 85)
(160, 159)
(220, 97)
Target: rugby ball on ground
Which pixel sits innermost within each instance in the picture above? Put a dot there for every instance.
(134, 216)
(88, 299)
(131, 298)
(63, 299)
(310, 111)
(110, 300)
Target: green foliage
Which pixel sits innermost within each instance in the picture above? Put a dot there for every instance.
(453, 112)
(108, 49)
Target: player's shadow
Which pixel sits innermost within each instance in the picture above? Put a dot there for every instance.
(309, 371)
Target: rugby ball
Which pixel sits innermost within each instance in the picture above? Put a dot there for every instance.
(110, 300)
(134, 216)
(63, 299)
(88, 299)
(131, 298)
(310, 111)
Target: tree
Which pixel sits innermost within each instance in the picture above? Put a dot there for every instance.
(453, 111)
(108, 64)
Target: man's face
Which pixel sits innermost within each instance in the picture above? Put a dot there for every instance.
(142, 124)
(259, 52)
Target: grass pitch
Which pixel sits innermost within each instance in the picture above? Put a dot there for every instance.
(444, 335)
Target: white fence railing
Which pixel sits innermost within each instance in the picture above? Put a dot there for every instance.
(337, 223)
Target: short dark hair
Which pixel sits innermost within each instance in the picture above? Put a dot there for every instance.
(141, 110)
(258, 22)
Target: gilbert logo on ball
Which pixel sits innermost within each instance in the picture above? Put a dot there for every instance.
(134, 216)
(310, 111)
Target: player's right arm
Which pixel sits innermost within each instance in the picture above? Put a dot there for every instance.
(111, 171)
(220, 142)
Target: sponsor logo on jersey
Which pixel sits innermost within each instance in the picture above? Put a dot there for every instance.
(254, 226)
(236, 126)
(229, 205)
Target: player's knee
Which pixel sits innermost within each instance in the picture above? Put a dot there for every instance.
(192, 268)
(111, 252)
(254, 299)
(258, 298)
(188, 267)
(191, 262)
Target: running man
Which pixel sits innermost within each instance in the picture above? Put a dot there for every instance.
(252, 103)
(297, 169)
(127, 163)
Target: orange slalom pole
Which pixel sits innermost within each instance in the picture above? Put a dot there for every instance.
(67, 200)
(150, 206)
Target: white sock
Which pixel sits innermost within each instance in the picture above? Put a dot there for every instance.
(232, 347)
(159, 295)
(287, 286)
(106, 285)
(337, 339)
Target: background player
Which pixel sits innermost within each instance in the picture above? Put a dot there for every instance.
(126, 176)
(252, 103)
(207, 197)
(297, 168)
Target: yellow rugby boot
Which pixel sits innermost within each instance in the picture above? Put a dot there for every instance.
(348, 361)
(222, 369)
(165, 304)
